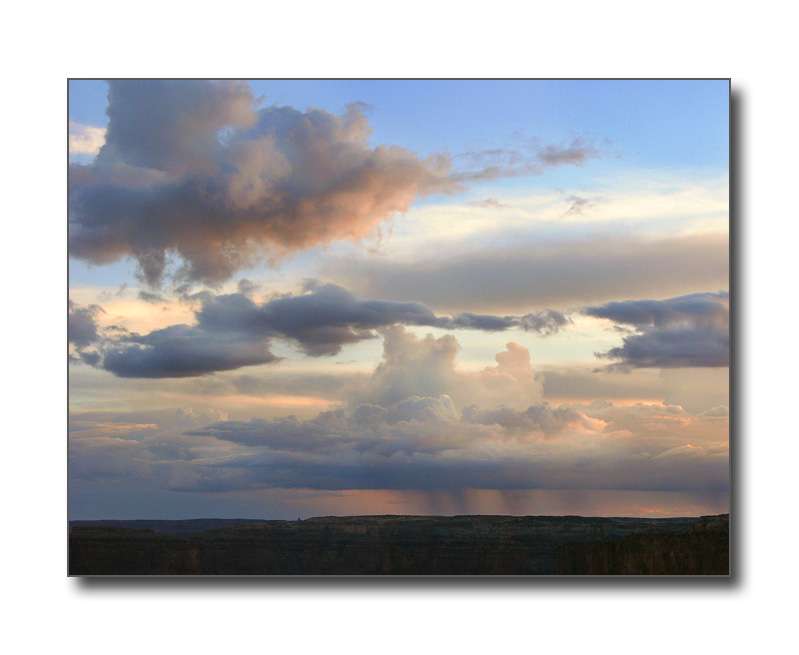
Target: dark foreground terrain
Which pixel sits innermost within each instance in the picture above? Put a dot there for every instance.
(403, 545)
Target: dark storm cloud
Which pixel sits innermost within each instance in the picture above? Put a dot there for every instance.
(233, 330)
(183, 351)
(674, 348)
(82, 328)
(328, 317)
(545, 322)
(194, 168)
(698, 308)
(558, 274)
(690, 330)
(320, 321)
(422, 443)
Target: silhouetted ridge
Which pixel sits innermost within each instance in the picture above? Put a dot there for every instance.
(368, 545)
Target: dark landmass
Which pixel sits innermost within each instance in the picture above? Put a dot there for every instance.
(704, 551)
(403, 545)
(186, 526)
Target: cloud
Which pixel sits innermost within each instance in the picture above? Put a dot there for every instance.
(488, 203)
(686, 331)
(327, 317)
(531, 158)
(536, 419)
(696, 308)
(82, 328)
(420, 443)
(425, 367)
(183, 351)
(674, 347)
(282, 382)
(149, 296)
(577, 152)
(85, 139)
(233, 330)
(247, 287)
(545, 322)
(321, 321)
(556, 274)
(194, 168)
(695, 389)
(418, 423)
(578, 206)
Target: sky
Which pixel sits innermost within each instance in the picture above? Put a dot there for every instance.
(307, 298)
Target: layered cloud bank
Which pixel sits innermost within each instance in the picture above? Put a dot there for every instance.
(406, 430)
(233, 330)
(557, 274)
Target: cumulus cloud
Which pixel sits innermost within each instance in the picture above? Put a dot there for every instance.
(194, 168)
(686, 331)
(558, 274)
(411, 366)
(197, 170)
(536, 419)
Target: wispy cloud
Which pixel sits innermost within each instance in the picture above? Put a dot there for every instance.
(531, 158)
(85, 139)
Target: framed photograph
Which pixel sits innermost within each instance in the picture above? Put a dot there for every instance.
(381, 327)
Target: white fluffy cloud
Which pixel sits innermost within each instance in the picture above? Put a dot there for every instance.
(413, 366)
